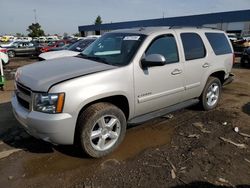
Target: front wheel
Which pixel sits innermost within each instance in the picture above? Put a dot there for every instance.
(211, 94)
(11, 54)
(102, 128)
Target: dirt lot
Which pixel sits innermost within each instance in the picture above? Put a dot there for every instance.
(191, 148)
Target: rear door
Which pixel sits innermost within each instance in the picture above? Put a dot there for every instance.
(195, 61)
(159, 86)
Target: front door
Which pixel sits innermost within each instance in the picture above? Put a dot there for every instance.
(157, 87)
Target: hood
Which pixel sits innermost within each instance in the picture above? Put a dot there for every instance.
(58, 54)
(42, 75)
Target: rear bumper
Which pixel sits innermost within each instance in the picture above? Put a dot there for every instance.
(229, 79)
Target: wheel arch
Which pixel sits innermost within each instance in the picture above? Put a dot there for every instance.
(119, 101)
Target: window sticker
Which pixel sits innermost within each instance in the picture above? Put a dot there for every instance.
(131, 38)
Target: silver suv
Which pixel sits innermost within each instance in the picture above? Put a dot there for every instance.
(125, 77)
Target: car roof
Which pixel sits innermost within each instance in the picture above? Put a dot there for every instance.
(150, 30)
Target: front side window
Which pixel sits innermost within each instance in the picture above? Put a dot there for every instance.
(193, 46)
(114, 48)
(164, 45)
(219, 43)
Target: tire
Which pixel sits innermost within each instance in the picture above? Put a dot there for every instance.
(11, 53)
(211, 94)
(97, 137)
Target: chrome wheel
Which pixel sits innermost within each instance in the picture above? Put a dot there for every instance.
(213, 94)
(105, 133)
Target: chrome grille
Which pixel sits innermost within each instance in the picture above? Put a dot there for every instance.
(24, 96)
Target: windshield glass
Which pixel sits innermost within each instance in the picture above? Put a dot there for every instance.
(80, 45)
(114, 48)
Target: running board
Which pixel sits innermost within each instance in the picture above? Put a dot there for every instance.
(162, 112)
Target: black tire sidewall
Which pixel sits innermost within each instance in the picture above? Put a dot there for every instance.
(88, 121)
(210, 81)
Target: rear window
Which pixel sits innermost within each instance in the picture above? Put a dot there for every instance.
(193, 46)
(219, 43)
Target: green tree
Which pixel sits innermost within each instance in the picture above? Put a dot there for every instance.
(19, 35)
(76, 35)
(35, 30)
(98, 20)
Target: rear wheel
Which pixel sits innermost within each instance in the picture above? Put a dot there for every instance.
(211, 94)
(102, 128)
(11, 54)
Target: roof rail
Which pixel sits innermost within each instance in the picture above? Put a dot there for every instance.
(185, 26)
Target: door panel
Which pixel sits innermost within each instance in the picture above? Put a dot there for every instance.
(196, 64)
(159, 86)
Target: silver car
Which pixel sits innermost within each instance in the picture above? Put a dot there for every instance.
(125, 77)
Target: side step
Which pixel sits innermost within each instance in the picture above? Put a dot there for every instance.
(162, 112)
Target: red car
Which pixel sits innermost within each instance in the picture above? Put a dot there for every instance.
(51, 45)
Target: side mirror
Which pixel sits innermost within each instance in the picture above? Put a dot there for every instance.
(153, 60)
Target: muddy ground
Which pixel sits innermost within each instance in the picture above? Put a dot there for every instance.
(187, 149)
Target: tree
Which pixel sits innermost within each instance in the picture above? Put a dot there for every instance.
(76, 35)
(19, 35)
(98, 20)
(35, 30)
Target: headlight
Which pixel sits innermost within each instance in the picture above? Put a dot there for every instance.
(48, 103)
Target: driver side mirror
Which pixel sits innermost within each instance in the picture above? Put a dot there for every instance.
(153, 60)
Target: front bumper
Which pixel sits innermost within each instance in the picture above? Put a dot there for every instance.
(54, 128)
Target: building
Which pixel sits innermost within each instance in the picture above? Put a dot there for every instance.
(232, 22)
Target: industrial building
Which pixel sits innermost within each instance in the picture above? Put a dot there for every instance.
(231, 22)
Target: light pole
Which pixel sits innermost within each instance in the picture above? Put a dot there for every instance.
(35, 15)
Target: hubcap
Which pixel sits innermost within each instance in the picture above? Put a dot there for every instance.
(213, 94)
(11, 54)
(105, 132)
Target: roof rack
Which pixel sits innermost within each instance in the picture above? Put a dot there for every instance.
(198, 27)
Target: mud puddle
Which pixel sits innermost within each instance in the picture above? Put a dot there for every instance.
(136, 140)
(41, 161)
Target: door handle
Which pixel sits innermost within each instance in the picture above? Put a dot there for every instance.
(176, 71)
(206, 65)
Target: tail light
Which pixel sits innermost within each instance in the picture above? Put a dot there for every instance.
(4, 50)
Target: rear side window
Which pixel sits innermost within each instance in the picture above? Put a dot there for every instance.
(193, 46)
(166, 46)
(219, 43)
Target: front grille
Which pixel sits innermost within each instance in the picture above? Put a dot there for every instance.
(24, 96)
(23, 89)
(23, 103)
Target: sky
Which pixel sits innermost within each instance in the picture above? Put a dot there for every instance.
(60, 16)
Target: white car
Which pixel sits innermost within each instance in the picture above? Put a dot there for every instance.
(4, 57)
(72, 50)
(7, 44)
(57, 54)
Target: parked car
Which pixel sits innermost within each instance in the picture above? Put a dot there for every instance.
(51, 45)
(125, 77)
(52, 38)
(42, 39)
(69, 51)
(245, 59)
(21, 48)
(3, 56)
(7, 38)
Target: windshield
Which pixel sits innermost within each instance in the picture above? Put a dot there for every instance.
(114, 48)
(80, 45)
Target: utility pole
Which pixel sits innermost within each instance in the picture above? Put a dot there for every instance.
(35, 15)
